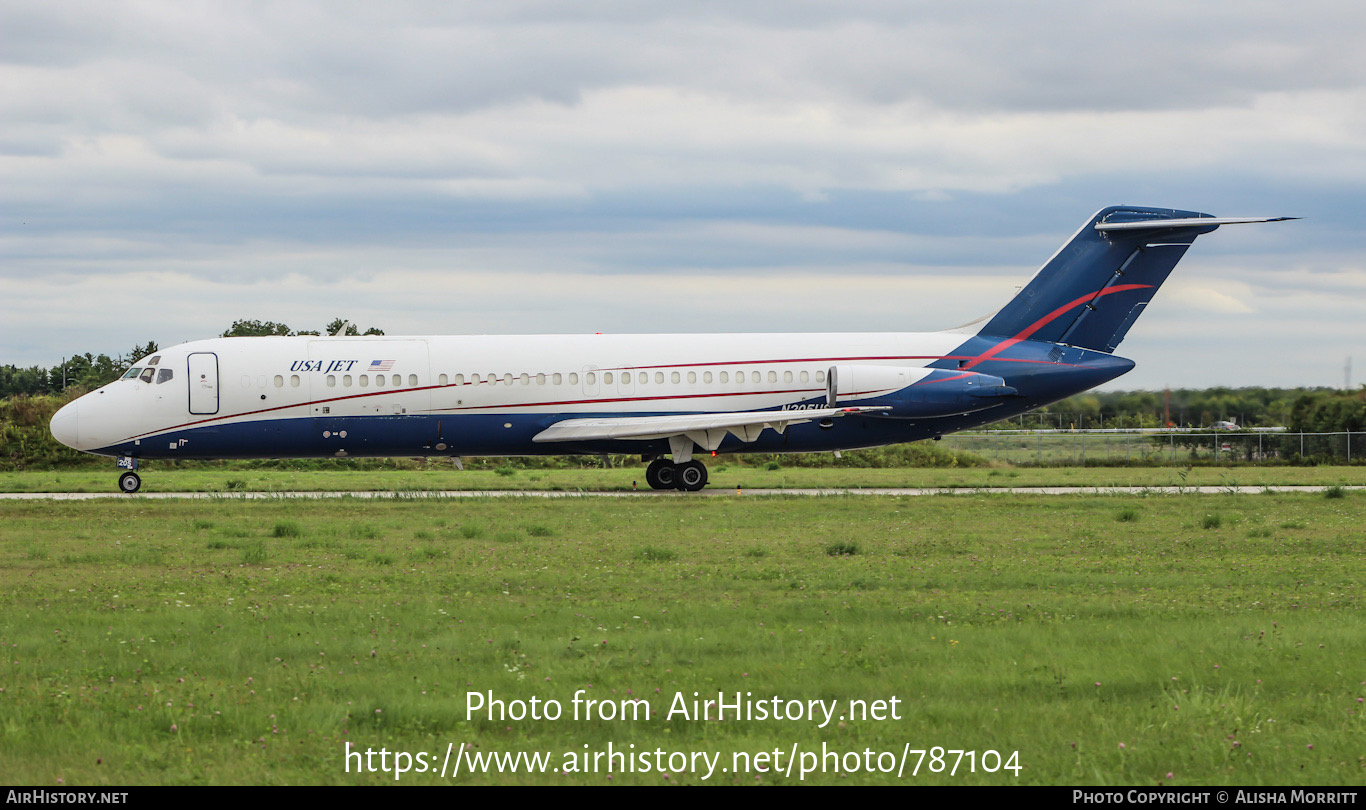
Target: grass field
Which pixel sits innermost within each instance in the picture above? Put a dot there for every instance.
(1107, 639)
(724, 476)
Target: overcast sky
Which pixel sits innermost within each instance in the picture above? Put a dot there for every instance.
(514, 167)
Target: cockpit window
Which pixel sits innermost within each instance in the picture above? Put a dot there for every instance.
(131, 374)
(154, 360)
(147, 374)
(164, 374)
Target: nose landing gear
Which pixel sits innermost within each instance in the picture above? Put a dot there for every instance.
(130, 481)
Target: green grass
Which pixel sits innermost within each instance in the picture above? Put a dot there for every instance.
(724, 476)
(150, 642)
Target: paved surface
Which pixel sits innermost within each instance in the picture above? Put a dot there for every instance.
(646, 493)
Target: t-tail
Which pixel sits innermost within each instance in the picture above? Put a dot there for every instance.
(1092, 290)
(1057, 336)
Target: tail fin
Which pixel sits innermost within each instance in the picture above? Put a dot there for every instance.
(1096, 285)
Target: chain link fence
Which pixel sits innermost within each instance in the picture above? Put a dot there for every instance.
(1159, 447)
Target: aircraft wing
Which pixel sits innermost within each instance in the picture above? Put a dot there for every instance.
(706, 429)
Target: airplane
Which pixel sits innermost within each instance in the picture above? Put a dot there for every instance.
(666, 397)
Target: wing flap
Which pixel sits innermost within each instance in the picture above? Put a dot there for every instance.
(707, 429)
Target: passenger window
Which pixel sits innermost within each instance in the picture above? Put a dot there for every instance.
(540, 379)
(607, 377)
(444, 380)
(346, 380)
(294, 381)
(692, 377)
(787, 376)
(557, 378)
(674, 378)
(659, 378)
(279, 381)
(706, 376)
(397, 380)
(460, 379)
(163, 375)
(412, 380)
(364, 380)
(806, 376)
(331, 381)
(379, 380)
(573, 378)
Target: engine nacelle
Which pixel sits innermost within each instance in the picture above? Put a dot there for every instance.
(915, 392)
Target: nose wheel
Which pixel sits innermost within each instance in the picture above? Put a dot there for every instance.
(690, 476)
(130, 482)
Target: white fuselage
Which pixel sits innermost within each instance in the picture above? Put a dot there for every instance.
(304, 384)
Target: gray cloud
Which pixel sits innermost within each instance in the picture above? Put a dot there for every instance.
(590, 165)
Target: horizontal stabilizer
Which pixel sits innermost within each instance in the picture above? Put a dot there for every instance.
(1153, 224)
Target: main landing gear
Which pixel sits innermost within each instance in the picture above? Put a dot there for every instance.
(690, 476)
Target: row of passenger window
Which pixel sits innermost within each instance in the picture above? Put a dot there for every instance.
(638, 377)
(572, 378)
(365, 380)
(346, 381)
(278, 381)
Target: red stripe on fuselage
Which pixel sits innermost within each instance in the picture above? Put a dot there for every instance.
(775, 361)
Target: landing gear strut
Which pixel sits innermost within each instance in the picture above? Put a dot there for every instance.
(690, 476)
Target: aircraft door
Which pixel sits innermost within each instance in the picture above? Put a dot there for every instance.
(203, 381)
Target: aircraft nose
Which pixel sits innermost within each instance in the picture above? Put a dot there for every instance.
(66, 425)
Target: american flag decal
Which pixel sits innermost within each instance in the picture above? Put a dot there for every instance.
(381, 365)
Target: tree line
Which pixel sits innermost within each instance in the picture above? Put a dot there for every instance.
(88, 371)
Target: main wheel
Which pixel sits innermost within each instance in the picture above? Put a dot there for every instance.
(129, 482)
(661, 474)
(692, 476)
